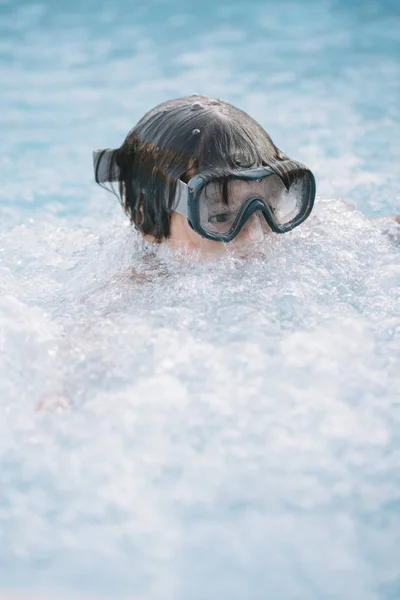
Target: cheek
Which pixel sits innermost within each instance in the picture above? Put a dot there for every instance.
(183, 237)
(200, 243)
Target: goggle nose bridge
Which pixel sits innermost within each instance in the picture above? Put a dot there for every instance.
(255, 204)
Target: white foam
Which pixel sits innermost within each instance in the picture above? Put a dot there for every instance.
(230, 417)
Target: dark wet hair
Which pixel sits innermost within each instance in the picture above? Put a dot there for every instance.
(176, 140)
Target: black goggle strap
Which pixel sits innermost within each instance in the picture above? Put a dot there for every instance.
(181, 198)
(107, 171)
(105, 168)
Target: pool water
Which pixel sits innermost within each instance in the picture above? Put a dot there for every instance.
(173, 429)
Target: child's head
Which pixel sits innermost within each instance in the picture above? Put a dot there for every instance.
(174, 142)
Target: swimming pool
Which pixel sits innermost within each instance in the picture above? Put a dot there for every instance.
(219, 430)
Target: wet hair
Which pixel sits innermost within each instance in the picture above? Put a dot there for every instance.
(175, 140)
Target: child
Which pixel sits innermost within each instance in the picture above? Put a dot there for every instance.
(198, 173)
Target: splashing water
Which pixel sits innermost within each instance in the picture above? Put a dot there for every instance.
(179, 429)
(232, 422)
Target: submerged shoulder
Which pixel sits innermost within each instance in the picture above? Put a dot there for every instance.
(389, 226)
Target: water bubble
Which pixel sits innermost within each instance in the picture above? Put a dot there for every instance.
(197, 106)
(196, 131)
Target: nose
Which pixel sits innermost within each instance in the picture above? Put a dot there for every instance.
(253, 230)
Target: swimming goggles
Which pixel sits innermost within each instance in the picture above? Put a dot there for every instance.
(218, 209)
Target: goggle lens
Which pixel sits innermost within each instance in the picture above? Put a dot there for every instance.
(223, 203)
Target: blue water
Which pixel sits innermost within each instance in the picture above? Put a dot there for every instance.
(222, 430)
